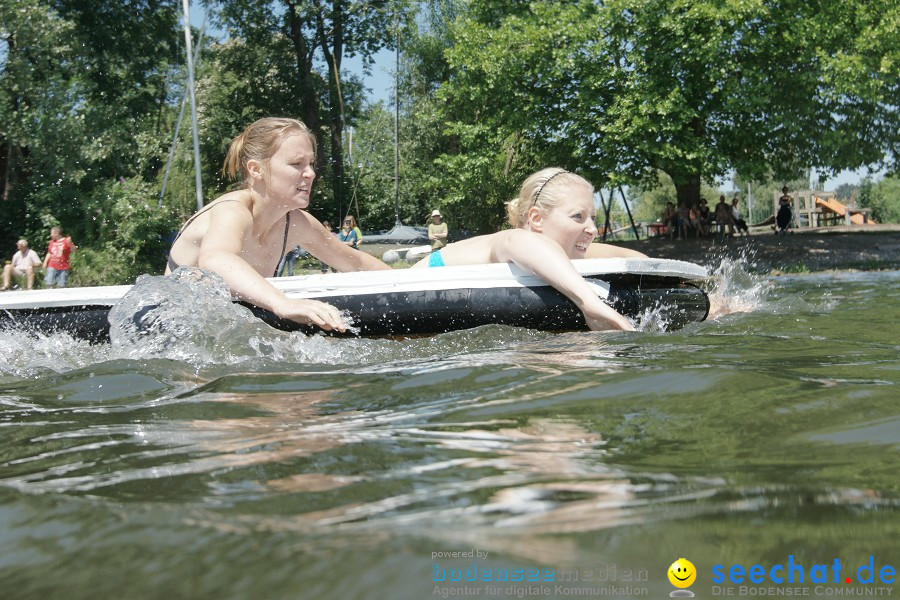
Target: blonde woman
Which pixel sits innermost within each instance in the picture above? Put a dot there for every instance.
(553, 223)
(243, 235)
(348, 234)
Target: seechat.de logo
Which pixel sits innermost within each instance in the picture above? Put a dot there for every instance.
(795, 572)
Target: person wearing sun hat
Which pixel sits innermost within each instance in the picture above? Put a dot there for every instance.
(437, 230)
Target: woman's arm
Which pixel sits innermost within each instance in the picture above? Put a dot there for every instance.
(221, 253)
(597, 250)
(322, 244)
(543, 257)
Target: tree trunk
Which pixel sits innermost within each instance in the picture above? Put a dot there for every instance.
(9, 151)
(687, 187)
(7, 159)
(333, 57)
(337, 158)
(310, 101)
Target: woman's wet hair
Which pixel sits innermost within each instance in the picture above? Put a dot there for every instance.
(259, 141)
(543, 190)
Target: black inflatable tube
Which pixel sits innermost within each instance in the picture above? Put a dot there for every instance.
(429, 312)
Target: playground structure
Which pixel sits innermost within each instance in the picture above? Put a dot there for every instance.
(818, 208)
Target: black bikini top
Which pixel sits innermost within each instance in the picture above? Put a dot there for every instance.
(287, 224)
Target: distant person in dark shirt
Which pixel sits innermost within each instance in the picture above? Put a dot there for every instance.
(785, 212)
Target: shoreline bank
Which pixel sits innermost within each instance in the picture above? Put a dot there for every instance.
(875, 247)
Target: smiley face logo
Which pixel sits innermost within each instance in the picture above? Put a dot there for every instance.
(682, 573)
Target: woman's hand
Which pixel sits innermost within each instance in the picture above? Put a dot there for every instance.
(312, 312)
(600, 316)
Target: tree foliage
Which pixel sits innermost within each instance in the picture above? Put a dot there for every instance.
(621, 89)
(76, 102)
(882, 197)
(285, 57)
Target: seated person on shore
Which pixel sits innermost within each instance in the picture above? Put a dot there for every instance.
(670, 218)
(553, 220)
(23, 264)
(697, 223)
(290, 260)
(724, 217)
(243, 234)
(739, 222)
(684, 220)
(347, 235)
(706, 217)
(785, 212)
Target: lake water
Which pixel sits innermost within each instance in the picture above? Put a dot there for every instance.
(239, 462)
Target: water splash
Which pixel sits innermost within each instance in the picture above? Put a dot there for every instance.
(190, 316)
(33, 355)
(655, 318)
(733, 288)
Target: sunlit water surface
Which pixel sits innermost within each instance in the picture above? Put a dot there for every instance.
(223, 459)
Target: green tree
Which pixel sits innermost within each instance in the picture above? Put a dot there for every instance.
(302, 46)
(882, 197)
(36, 44)
(78, 103)
(621, 89)
(846, 191)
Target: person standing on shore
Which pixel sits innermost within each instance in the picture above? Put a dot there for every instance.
(785, 213)
(57, 259)
(24, 261)
(437, 231)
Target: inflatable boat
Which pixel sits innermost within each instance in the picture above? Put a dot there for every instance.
(411, 302)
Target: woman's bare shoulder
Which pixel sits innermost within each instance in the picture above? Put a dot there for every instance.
(238, 200)
(231, 207)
